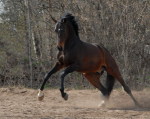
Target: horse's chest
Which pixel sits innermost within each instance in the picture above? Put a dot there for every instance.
(69, 58)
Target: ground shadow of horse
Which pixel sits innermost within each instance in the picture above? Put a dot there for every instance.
(145, 106)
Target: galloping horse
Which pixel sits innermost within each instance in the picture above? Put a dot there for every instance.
(89, 59)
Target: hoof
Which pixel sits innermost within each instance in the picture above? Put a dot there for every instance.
(40, 95)
(41, 98)
(102, 104)
(104, 100)
(137, 105)
(65, 96)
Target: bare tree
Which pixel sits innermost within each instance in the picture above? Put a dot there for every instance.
(29, 38)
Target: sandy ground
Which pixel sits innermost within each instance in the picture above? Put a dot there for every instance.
(21, 103)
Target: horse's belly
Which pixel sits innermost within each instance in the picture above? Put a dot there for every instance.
(90, 67)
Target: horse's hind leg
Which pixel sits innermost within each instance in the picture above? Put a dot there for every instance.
(93, 78)
(127, 89)
(116, 74)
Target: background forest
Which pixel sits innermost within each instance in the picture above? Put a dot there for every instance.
(28, 42)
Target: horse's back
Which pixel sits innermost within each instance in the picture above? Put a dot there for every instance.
(91, 58)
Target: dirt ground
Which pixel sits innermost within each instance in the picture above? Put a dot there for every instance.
(21, 103)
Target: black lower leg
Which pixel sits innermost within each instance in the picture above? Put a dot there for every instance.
(104, 90)
(63, 74)
(55, 69)
(62, 86)
(109, 83)
(127, 89)
(45, 80)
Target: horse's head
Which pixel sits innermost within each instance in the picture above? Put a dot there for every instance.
(61, 29)
(66, 28)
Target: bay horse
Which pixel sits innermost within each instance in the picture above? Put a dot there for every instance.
(91, 60)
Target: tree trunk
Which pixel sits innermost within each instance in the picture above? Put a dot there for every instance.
(28, 38)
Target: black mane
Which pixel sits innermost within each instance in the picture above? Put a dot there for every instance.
(73, 21)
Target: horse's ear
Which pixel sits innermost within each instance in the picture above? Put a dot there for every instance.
(55, 21)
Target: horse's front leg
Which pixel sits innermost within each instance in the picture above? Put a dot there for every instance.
(68, 70)
(56, 68)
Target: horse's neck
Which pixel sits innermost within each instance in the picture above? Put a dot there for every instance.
(72, 40)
